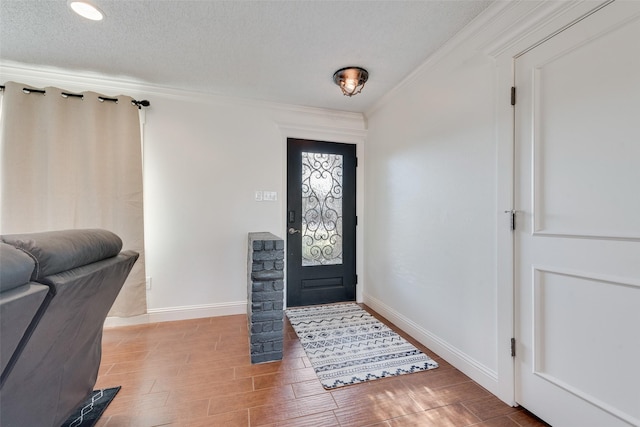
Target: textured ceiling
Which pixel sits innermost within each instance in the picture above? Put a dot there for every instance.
(279, 51)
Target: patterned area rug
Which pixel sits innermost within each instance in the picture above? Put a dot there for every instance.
(89, 413)
(346, 345)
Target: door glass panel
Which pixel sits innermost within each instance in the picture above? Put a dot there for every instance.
(321, 209)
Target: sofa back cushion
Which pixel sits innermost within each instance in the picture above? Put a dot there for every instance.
(57, 251)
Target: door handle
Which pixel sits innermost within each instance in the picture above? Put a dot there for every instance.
(293, 231)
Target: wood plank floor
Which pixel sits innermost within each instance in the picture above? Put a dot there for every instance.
(197, 373)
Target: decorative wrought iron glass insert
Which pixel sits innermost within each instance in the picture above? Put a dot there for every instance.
(321, 209)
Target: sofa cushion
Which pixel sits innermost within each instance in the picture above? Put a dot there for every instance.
(16, 267)
(57, 251)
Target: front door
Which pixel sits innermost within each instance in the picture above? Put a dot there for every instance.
(321, 222)
(577, 119)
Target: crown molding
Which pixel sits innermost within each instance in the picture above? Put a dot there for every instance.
(41, 76)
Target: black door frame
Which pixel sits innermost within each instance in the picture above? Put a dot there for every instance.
(320, 282)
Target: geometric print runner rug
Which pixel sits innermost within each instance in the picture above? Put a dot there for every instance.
(346, 345)
(88, 414)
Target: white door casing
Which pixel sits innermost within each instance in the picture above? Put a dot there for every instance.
(577, 243)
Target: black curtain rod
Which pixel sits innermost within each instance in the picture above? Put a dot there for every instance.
(139, 104)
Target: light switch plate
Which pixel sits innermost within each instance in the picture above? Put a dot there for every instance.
(270, 196)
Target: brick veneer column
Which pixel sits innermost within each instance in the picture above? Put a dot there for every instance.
(265, 299)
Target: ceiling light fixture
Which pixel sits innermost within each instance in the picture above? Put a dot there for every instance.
(86, 9)
(351, 80)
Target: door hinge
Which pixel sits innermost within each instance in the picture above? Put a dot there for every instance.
(356, 221)
(356, 162)
(513, 347)
(513, 95)
(512, 212)
(356, 279)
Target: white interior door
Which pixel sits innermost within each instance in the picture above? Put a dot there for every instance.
(577, 244)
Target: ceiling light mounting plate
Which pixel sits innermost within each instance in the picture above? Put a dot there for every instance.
(351, 80)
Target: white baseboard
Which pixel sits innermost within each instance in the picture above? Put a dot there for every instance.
(478, 372)
(169, 314)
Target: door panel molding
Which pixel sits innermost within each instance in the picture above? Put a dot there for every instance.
(556, 213)
(586, 280)
(589, 399)
(585, 234)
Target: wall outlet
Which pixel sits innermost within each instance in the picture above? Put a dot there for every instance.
(148, 283)
(258, 196)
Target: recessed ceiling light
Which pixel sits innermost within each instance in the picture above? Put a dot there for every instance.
(86, 9)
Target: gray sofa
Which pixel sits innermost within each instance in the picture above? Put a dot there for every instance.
(56, 289)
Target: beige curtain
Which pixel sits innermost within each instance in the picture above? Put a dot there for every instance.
(71, 162)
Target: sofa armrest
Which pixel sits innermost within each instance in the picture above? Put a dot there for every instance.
(16, 267)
